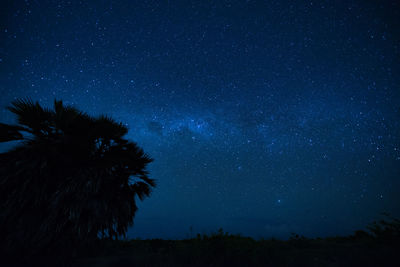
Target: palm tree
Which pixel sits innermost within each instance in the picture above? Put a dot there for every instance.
(72, 178)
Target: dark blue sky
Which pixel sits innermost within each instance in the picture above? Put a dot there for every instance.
(263, 117)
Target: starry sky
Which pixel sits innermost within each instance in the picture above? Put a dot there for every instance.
(263, 117)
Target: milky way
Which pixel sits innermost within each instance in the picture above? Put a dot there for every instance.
(263, 117)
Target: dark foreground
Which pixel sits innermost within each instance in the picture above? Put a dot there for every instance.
(223, 249)
(231, 250)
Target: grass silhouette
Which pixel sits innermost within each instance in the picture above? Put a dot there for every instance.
(378, 246)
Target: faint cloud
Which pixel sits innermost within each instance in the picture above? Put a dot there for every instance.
(155, 127)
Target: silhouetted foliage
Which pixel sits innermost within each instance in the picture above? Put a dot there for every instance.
(361, 234)
(72, 179)
(224, 249)
(10, 132)
(386, 230)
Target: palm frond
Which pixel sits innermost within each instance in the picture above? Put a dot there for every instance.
(74, 178)
(109, 128)
(11, 132)
(32, 115)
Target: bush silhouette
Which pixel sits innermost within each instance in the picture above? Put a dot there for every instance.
(72, 179)
(387, 230)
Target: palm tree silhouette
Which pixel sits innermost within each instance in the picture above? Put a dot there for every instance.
(72, 178)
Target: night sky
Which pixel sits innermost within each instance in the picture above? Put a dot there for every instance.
(263, 117)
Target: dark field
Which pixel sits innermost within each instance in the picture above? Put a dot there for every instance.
(222, 249)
